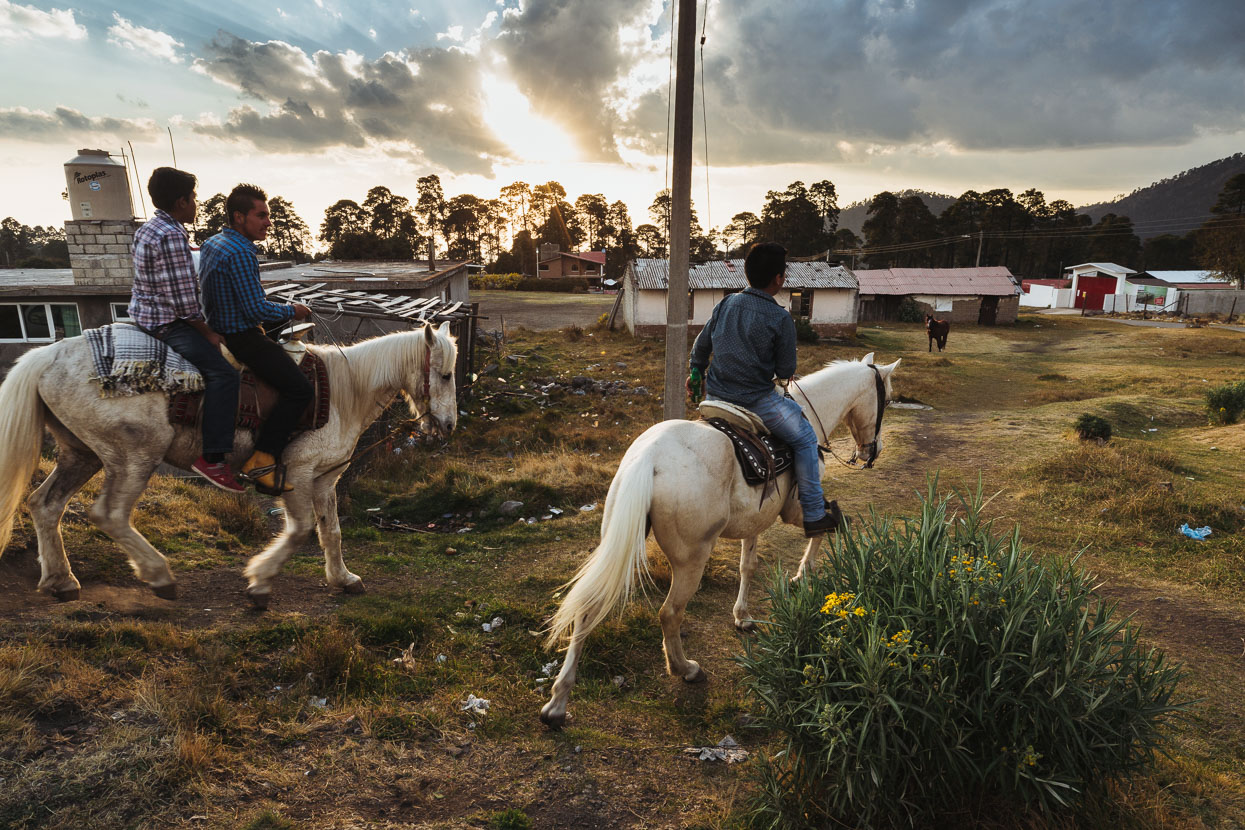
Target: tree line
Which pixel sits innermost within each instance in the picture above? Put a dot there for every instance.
(1025, 233)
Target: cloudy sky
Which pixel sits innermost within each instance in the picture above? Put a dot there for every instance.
(318, 100)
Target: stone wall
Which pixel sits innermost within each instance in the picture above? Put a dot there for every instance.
(99, 250)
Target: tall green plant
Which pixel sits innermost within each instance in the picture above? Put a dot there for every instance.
(930, 663)
(1226, 404)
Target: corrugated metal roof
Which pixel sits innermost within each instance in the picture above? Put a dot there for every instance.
(1187, 276)
(990, 281)
(654, 275)
(1103, 266)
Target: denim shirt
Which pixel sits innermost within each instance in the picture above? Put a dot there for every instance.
(752, 340)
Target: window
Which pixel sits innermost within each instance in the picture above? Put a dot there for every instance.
(121, 313)
(942, 304)
(544, 266)
(802, 303)
(35, 322)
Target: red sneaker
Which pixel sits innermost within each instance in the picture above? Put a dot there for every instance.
(218, 474)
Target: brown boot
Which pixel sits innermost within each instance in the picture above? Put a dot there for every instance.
(263, 471)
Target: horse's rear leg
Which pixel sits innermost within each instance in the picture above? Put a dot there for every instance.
(328, 527)
(553, 713)
(112, 512)
(686, 568)
(810, 552)
(73, 469)
(300, 519)
(747, 567)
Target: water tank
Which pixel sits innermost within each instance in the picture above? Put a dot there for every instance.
(98, 186)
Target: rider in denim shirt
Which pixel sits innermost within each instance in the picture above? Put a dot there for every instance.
(752, 340)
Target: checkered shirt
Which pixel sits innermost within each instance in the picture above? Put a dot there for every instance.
(165, 286)
(233, 296)
(752, 340)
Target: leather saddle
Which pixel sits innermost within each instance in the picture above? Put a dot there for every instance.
(761, 456)
(256, 400)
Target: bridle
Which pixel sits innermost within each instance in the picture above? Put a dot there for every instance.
(872, 447)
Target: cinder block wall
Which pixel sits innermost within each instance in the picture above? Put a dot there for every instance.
(100, 250)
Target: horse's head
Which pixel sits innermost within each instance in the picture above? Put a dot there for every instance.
(864, 417)
(929, 318)
(432, 380)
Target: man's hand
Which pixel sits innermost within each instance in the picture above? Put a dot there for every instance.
(301, 312)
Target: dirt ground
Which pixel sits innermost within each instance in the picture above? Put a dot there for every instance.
(540, 310)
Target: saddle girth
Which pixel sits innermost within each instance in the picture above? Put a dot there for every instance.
(256, 399)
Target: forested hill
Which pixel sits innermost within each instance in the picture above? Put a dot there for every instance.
(1186, 196)
(854, 215)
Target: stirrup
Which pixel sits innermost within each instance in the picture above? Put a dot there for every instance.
(277, 489)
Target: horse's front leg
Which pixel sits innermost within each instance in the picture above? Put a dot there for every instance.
(747, 567)
(328, 527)
(299, 520)
(809, 553)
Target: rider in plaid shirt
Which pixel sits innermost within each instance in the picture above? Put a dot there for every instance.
(165, 303)
(236, 306)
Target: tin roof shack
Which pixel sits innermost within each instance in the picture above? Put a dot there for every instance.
(822, 294)
(984, 296)
(358, 300)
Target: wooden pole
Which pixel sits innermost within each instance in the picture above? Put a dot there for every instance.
(674, 405)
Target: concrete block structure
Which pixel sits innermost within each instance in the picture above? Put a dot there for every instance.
(100, 250)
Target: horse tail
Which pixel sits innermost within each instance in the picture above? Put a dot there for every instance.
(608, 578)
(21, 422)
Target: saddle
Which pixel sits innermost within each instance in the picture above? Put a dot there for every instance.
(761, 456)
(256, 400)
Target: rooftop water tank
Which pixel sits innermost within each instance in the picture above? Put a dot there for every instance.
(98, 186)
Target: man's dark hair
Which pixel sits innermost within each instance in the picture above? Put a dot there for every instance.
(241, 199)
(168, 184)
(765, 261)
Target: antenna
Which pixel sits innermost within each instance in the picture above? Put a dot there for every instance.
(141, 200)
(171, 147)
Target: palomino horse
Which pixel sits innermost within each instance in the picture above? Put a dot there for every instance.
(937, 330)
(681, 479)
(129, 436)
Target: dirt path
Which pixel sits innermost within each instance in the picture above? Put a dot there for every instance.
(539, 310)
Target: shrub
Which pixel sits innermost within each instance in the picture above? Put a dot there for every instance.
(910, 312)
(804, 331)
(930, 665)
(511, 819)
(1226, 404)
(494, 282)
(1091, 427)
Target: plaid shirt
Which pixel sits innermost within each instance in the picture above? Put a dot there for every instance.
(752, 340)
(165, 286)
(232, 294)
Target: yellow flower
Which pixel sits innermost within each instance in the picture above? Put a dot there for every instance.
(859, 612)
(842, 612)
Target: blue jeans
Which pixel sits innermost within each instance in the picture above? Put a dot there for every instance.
(784, 418)
(220, 383)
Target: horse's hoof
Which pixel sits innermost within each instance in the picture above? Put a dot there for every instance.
(746, 627)
(356, 587)
(67, 595)
(165, 591)
(554, 722)
(698, 677)
(259, 600)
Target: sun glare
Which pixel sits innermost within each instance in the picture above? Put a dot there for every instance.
(532, 138)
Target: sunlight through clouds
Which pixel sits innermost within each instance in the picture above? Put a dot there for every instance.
(532, 138)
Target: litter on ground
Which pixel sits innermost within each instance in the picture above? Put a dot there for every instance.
(727, 750)
(1198, 533)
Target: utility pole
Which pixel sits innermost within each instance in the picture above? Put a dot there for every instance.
(981, 237)
(674, 404)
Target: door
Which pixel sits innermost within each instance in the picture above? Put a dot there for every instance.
(1091, 290)
(988, 311)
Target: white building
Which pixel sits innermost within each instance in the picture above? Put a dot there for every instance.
(822, 294)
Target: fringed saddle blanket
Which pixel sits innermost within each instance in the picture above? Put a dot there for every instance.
(129, 361)
(762, 458)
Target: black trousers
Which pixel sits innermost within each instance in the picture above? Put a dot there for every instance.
(270, 363)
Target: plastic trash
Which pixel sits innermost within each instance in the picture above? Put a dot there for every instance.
(1198, 533)
(475, 705)
(727, 750)
(492, 625)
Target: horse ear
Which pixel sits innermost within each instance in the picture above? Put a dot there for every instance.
(429, 336)
(886, 370)
(867, 359)
(444, 328)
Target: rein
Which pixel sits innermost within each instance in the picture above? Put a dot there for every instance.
(872, 446)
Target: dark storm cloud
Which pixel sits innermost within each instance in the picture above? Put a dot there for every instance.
(788, 81)
(63, 123)
(428, 99)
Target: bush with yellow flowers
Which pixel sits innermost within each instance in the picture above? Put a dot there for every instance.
(929, 666)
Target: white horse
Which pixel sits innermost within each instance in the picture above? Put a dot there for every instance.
(129, 436)
(681, 479)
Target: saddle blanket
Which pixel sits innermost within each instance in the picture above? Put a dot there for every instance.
(129, 361)
(256, 400)
(748, 451)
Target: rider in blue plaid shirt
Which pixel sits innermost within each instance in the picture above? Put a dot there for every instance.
(236, 306)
